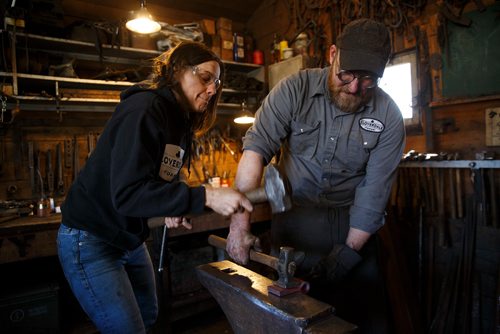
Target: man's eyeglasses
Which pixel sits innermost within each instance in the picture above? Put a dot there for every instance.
(366, 81)
(206, 77)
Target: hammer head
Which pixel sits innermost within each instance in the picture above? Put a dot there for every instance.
(277, 189)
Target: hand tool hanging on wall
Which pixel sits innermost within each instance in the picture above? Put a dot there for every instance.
(38, 178)
(442, 227)
(76, 158)
(31, 166)
(19, 156)
(90, 142)
(452, 192)
(49, 172)
(59, 176)
(195, 157)
(493, 198)
(458, 180)
(228, 148)
(68, 153)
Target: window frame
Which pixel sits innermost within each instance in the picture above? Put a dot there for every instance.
(411, 56)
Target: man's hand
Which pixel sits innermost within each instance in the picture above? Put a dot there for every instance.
(240, 239)
(175, 222)
(337, 264)
(239, 242)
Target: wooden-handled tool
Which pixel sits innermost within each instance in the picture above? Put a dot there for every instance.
(284, 265)
(276, 191)
(262, 258)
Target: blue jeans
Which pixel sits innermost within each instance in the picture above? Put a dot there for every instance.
(115, 288)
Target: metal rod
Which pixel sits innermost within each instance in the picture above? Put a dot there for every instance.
(162, 249)
(475, 164)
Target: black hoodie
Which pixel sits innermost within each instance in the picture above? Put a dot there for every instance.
(133, 173)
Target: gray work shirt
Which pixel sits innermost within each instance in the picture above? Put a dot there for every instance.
(330, 157)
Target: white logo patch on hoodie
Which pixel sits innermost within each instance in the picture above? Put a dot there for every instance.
(171, 162)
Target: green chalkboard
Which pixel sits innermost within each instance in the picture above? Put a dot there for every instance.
(472, 67)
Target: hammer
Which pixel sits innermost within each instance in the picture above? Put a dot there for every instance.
(275, 190)
(284, 265)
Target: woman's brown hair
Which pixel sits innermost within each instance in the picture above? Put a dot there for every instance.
(186, 55)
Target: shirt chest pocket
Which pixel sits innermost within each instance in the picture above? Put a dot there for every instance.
(360, 147)
(303, 139)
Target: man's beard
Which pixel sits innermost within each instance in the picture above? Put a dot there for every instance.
(347, 102)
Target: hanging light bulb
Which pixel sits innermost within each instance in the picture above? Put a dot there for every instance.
(142, 22)
(245, 116)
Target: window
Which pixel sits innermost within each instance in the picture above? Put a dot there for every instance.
(400, 81)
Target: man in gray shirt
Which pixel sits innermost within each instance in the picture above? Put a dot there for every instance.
(340, 139)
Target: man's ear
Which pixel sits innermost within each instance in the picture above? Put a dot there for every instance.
(333, 51)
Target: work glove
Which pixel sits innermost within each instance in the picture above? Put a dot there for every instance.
(337, 264)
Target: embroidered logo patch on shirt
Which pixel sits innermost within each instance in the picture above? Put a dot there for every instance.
(171, 162)
(371, 124)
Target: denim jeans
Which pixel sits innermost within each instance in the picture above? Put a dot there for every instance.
(115, 288)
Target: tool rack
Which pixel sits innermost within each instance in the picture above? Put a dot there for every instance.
(445, 214)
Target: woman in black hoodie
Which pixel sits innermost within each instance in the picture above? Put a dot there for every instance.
(133, 174)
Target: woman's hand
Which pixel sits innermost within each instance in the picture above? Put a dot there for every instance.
(226, 201)
(175, 222)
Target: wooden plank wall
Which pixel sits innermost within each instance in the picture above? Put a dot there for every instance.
(465, 134)
(467, 138)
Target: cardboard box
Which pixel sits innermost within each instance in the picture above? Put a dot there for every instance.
(225, 34)
(224, 23)
(226, 54)
(207, 26)
(216, 41)
(227, 45)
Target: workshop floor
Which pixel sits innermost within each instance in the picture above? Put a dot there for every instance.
(210, 322)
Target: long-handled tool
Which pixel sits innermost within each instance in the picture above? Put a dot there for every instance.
(276, 191)
(284, 265)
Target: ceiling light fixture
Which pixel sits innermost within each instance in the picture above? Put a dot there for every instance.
(142, 22)
(245, 116)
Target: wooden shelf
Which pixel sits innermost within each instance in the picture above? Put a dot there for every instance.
(53, 101)
(82, 50)
(456, 101)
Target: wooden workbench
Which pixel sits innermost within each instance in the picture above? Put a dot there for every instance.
(33, 237)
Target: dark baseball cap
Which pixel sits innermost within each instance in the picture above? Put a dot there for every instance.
(364, 45)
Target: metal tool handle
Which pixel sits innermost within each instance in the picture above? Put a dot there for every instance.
(262, 258)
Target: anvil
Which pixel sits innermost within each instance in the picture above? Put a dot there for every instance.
(243, 296)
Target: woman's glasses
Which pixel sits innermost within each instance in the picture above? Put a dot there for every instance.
(206, 77)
